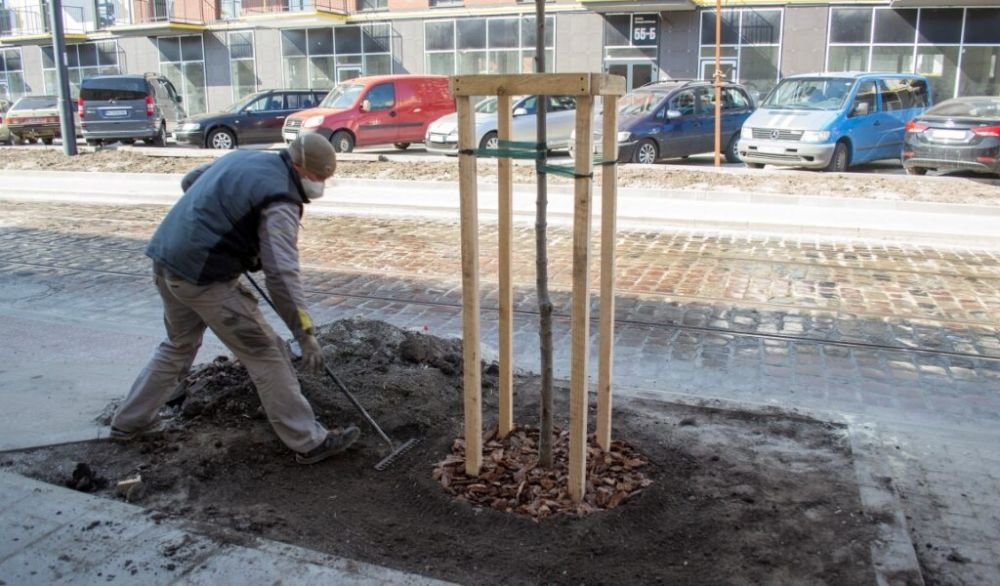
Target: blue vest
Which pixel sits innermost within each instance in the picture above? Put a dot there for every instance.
(211, 233)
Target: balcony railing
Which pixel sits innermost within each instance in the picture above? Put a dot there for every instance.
(169, 11)
(232, 9)
(33, 21)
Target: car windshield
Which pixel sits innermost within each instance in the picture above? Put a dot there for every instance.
(35, 103)
(820, 93)
(487, 106)
(638, 103)
(968, 108)
(342, 96)
(240, 104)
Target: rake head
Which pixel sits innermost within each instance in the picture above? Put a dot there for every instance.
(397, 453)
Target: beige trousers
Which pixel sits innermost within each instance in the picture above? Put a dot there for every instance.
(230, 310)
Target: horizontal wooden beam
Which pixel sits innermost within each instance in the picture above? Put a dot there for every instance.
(538, 84)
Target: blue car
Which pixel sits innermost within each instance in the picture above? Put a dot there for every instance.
(676, 118)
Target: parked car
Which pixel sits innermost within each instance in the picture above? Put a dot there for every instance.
(257, 118)
(961, 134)
(676, 118)
(831, 121)
(34, 118)
(560, 118)
(384, 109)
(129, 107)
(4, 131)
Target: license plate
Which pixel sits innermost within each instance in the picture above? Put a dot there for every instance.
(438, 137)
(949, 134)
(771, 150)
(290, 136)
(115, 113)
(35, 121)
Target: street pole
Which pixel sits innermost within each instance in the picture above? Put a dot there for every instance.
(62, 78)
(718, 83)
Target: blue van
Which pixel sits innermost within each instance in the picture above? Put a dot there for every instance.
(831, 121)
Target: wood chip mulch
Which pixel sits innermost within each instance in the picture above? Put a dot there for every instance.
(511, 480)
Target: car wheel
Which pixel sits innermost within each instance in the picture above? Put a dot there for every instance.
(732, 150)
(221, 138)
(916, 170)
(93, 142)
(645, 153)
(160, 139)
(754, 165)
(342, 141)
(128, 141)
(402, 145)
(490, 141)
(840, 159)
(48, 140)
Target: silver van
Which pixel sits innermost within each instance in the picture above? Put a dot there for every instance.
(129, 107)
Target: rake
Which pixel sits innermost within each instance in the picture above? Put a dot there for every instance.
(395, 451)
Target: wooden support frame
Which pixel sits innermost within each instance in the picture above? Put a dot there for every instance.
(585, 86)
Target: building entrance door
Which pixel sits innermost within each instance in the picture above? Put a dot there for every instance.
(636, 73)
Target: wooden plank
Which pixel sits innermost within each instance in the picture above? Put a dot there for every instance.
(505, 207)
(580, 317)
(469, 213)
(538, 84)
(609, 210)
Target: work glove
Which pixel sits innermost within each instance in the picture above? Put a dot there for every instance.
(312, 354)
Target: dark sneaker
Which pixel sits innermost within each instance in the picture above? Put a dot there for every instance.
(336, 442)
(156, 429)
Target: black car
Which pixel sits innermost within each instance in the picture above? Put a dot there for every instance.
(257, 118)
(961, 134)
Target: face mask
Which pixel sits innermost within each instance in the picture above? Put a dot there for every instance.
(313, 189)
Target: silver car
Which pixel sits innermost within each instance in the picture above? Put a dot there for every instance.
(560, 117)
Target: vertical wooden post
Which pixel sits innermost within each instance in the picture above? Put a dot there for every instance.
(609, 210)
(505, 180)
(580, 328)
(469, 206)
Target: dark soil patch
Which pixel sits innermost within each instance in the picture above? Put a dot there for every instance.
(736, 497)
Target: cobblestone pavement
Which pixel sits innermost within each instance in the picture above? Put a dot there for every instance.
(903, 337)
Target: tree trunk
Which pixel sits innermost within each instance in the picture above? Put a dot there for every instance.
(542, 258)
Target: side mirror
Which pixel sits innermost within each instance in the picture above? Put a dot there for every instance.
(671, 114)
(177, 99)
(366, 106)
(519, 112)
(861, 109)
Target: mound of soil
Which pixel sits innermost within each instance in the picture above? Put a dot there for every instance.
(724, 497)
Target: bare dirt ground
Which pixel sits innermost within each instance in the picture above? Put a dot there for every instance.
(965, 189)
(733, 497)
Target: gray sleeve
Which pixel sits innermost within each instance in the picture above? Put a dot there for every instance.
(279, 257)
(193, 176)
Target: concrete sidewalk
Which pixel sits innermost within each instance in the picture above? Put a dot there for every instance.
(640, 209)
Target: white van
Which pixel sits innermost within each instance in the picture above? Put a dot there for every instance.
(831, 121)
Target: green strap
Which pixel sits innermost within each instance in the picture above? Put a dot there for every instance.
(513, 149)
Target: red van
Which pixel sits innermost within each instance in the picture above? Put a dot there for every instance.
(382, 109)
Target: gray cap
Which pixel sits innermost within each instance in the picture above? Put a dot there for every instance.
(313, 153)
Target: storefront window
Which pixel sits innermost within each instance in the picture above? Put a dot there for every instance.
(242, 64)
(485, 45)
(11, 76)
(83, 60)
(182, 61)
(979, 72)
(751, 47)
(321, 58)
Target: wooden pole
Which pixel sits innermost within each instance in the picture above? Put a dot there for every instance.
(609, 210)
(580, 328)
(469, 212)
(505, 180)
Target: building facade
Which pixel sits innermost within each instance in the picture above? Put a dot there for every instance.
(216, 51)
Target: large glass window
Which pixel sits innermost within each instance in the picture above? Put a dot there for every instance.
(486, 45)
(751, 46)
(321, 58)
(11, 75)
(84, 60)
(182, 61)
(957, 49)
(242, 64)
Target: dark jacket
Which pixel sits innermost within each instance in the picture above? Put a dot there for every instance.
(211, 233)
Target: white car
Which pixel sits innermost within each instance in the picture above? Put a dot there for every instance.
(560, 117)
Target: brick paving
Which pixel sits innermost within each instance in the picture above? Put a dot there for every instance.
(904, 337)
